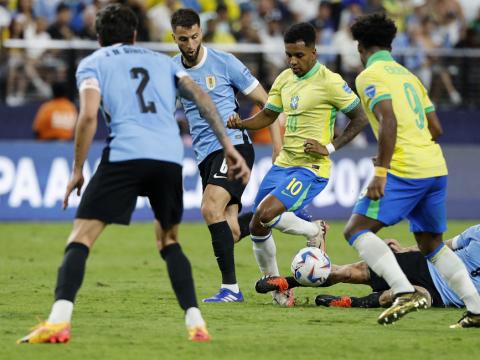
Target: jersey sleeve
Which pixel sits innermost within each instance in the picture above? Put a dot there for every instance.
(240, 76)
(340, 94)
(177, 70)
(426, 102)
(274, 101)
(469, 235)
(372, 90)
(87, 69)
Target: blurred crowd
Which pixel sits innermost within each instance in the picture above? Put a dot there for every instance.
(422, 25)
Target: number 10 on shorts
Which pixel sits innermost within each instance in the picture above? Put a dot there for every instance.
(295, 186)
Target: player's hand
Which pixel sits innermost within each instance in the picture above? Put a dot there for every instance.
(312, 146)
(237, 167)
(394, 245)
(234, 122)
(76, 182)
(376, 188)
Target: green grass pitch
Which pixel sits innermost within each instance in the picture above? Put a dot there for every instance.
(126, 308)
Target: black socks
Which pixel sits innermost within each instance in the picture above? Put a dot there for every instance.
(244, 222)
(71, 272)
(180, 273)
(222, 242)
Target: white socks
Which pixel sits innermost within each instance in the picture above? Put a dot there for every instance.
(231, 287)
(193, 318)
(61, 312)
(290, 223)
(455, 274)
(381, 259)
(265, 252)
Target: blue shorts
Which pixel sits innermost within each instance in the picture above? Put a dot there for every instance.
(295, 187)
(421, 201)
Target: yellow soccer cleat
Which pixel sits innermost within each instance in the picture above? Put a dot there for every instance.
(198, 334)
(402, 305)
(47, 333)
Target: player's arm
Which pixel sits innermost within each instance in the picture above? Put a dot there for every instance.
(258, 121)
(387, 137)
(260, 97)
(84, 133)
(434, 125)
(237, 167)
(358, 120)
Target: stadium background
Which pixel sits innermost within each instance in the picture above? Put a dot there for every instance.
(42, 41)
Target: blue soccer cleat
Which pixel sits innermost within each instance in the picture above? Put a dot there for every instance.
(225, 295)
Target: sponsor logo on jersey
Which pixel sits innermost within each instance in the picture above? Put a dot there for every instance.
(347, 89)
(370, 91)
(211, 82)
(294, 102)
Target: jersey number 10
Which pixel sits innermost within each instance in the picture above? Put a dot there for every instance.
(145, 107)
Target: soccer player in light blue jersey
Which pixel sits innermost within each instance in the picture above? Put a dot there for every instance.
(419, 271)
(136, 91)
(221, 75)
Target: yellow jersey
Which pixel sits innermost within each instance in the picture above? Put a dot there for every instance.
(310, 104)
(415, 155)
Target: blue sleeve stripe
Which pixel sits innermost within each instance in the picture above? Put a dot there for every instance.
(435, 252)
(356, 235)
(378, 99)
(352, 106)
(273, 107)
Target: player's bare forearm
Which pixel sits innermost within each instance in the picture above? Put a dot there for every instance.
(260, 120)
(191, 91)
(86, 126)
(387, 132)
(84, 133)
(259, 96)
(434, 125)
(358, 121)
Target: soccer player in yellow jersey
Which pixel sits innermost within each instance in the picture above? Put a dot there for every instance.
(310, 95)
(410, 179)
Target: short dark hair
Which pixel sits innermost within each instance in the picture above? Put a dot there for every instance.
(374, 30)
(59, 89)
(301, 32)
(185, 18)
(116, 23)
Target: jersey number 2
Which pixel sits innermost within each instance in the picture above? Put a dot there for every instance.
(145, 107)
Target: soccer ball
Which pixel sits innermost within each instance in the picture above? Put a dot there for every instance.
(311, 266)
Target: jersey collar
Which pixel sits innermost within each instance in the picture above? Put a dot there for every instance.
(204, 58)
(310, 72)
(382, 55)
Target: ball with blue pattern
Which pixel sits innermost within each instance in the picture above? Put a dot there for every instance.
(311, 266)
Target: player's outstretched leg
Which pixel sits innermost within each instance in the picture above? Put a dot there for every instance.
(69, 279)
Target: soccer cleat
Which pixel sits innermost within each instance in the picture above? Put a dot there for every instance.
(319, 240)
(198, 334)
(271, 283)
(333, 301)
(47, 333)
(225, 295)
(468, 320)
(402, 305)
(284, 298)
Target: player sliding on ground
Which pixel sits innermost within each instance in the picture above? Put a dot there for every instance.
(137, 89)
(419, 271)
(410, 175)
(310, 95)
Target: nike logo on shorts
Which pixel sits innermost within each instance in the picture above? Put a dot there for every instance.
(215, 176)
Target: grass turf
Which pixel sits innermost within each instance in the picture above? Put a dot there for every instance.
(127, 310)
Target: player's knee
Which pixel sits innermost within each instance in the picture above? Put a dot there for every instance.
(168, 237)
(212, 213)
(263, 216)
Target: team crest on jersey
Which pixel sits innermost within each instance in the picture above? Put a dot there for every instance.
(347, 89)
(210, 81)
(370, 91)
(294, 102)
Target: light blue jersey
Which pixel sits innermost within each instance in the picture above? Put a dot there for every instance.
(221, 75)
(138, 89)
(467, 247)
